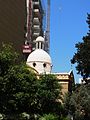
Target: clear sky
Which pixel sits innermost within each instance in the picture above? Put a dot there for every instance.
(67, 27)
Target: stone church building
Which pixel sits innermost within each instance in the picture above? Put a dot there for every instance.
(40, 61)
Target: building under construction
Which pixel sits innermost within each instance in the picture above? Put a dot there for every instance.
(37, 25)
(34, 25)
(21, 22)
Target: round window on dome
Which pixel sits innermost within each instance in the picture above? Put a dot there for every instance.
(34, 64)
(44, 65)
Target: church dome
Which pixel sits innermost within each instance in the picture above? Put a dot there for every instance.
(40, 59)
(40, 56)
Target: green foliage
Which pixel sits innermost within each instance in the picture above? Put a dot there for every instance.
(49, 85)
(48, 93)
(7, 58)
(17, 84)
(17, 90)
(78, 103)
(21, 93)
(48, 117)
(64, 118)
(24, 116)
(82, 57)
(52, 117)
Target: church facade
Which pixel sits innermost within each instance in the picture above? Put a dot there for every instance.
(40, 61)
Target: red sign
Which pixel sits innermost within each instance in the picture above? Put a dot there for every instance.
(27, 49)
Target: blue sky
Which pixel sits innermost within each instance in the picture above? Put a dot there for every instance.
(67, 27)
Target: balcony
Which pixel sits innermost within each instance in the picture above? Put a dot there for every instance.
(36, 3)
(36, 21)
(36, 34)
(36, 11)
(36, 27)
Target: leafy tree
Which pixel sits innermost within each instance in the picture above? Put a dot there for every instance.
(48, 117)
(8, 57)
(52, 117)
(17, 84)
(82, 57)
(49, 91)
(17, 91)
(78, 104)
(20, 91)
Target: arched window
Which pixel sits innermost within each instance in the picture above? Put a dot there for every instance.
(44, 65)
(34, 64)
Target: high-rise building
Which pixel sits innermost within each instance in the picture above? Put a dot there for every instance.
(21, 22)
(12, 22)
(34, 25)
(35, 13)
